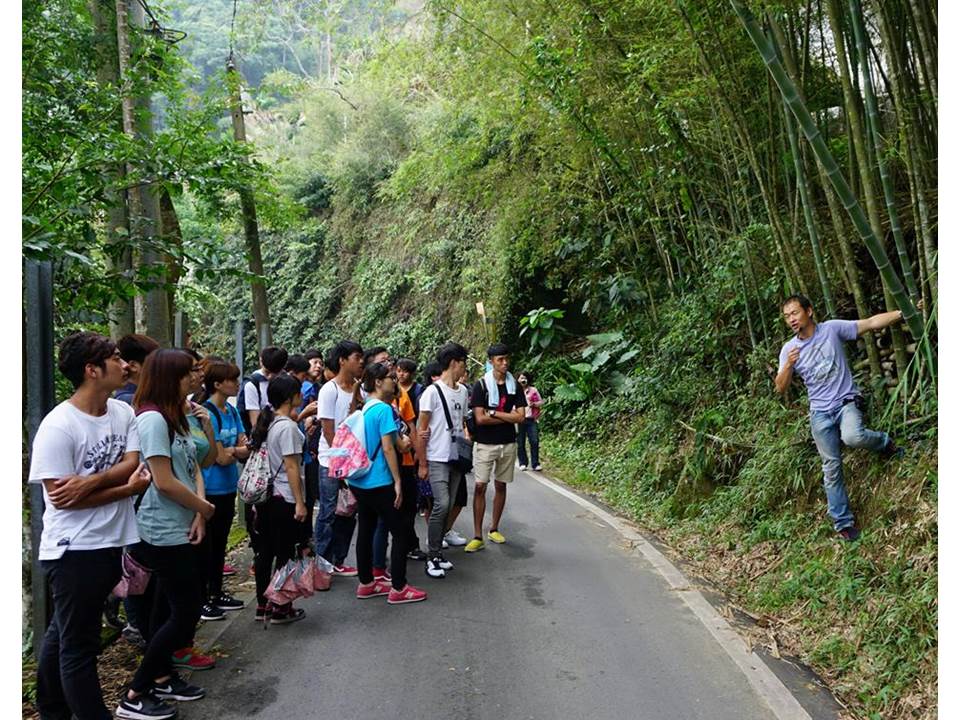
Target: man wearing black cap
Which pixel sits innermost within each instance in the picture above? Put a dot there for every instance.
(498, 402)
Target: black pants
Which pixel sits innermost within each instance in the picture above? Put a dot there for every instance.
(371, 506)
(411, 501)
(218, 530)
(280, 535)
(67, 682)
(176, 608)
(311, 476)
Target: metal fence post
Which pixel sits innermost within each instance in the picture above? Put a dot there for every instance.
(40, 401)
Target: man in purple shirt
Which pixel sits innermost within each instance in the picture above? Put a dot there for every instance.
(816, 354)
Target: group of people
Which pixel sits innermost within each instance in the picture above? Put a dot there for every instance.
(140, 470)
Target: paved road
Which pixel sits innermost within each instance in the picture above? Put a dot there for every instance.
(561, 622)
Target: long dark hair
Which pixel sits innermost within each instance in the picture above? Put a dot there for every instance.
(371, 373)
(160, 386)
(280, 390)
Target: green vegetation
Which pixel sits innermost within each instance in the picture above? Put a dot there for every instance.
(629, 193)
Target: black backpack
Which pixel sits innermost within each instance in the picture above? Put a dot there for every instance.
(256, 378)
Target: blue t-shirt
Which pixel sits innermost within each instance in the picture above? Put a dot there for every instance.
(823, 365)
(161, 520)
(377, 422)
(222, 479)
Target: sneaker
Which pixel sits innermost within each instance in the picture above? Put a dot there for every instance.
(111, 610)
(345, 570)
(417, 554)
(228, 602)
(192, 659)
(538, 468)
(382, 574)
(409, 594)
(891, 451)
(175, 688)
(444, 563)
(474, 545)
(374, 589)
(229, 570)
(285, 614)
(849, 533)
(433, 568)
(445, 545)
(455, 539)
(211, 612)
(145, 707)
(497, 537)
(523, 467)
(133, 636)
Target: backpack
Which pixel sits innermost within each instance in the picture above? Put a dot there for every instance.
(348, 452)
(256, 480)
(256, 378)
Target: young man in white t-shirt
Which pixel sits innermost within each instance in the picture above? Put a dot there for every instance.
(436, 446)
(272, 361)
(333, 533)
(86, 456)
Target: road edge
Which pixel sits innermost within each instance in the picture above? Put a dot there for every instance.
(762, 679)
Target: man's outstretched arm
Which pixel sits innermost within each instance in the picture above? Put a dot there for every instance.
(879, 322)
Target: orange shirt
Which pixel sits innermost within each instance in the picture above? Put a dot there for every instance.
(404, 406)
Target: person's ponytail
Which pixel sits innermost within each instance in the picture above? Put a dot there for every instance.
(260, 430)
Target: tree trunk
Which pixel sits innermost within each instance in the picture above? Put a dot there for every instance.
(119, 256)
(251, 229)
(170, 227)
(143, 202)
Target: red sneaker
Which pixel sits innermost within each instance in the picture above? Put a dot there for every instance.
(409, 594)
(192, 659)
(229, 570)
(345, 570)
(381, 574)
(374, 589)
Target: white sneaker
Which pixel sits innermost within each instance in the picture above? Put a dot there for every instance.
(445, 564)
(523, 467)
(454, 539)
(538, 468)
(434, 569)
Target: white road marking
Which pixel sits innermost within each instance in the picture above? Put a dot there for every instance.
(766, 684)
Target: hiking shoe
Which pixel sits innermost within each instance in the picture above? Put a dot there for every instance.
(433, 568)
(374, 589)
(145, 707)
(497, 537)
(474, 545)
(285, 614)
(455, 539)
(345, 570)
(891, 451)
(417, 554)
(849, 533)
(192, 659)
(211, 612)
(382, 574)
(133, 636)
(176, 688)
(111, 610)
(229, 570)
(523, 467)
(227, 602)
(409, 594)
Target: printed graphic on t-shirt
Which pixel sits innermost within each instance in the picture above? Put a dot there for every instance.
(182, 444)
(105, 453)
(821, 363)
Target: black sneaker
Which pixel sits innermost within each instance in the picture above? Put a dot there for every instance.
(849, 533)
(211, 612)
(417, 554)
(434, 569)
(286, 614)
(227, 602)
(176, 688)
(111, 610)
(145, 707)
(891, 451)
(133, 636)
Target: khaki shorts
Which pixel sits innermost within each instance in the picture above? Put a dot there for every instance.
(496, 460)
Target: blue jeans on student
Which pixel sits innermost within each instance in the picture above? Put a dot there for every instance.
(333, 533)
(528, 429)
(829, 428)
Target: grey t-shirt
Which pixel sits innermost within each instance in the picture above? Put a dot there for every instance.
(161, 520)
(284, 438)
(823, 365)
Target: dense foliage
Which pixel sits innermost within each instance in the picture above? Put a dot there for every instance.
(623, 187)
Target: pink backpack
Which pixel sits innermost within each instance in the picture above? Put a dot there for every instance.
(348, 452)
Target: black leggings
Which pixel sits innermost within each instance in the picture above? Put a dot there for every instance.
(279, 535)
(372, 505)
(176, 608)
(218, 530)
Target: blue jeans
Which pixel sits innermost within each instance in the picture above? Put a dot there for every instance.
(829, 428)
(333, 533)
(528, 429)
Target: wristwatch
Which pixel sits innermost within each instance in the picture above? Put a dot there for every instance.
(491, 413)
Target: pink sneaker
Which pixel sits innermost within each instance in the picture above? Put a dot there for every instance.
(374, 589)
(381, 574)
(409, 594)
(345, 570)
(229, 570)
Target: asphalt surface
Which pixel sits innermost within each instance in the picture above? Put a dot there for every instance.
(563, 621)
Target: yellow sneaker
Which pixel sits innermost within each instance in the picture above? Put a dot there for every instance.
(474, 545)
(496, 536)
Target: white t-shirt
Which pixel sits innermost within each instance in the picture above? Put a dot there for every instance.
(70, 442)
(333, 403)
(438, 446)
(250, 399)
